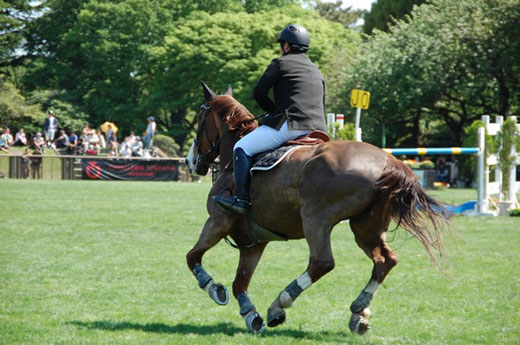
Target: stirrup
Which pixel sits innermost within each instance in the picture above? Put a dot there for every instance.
(232, 203)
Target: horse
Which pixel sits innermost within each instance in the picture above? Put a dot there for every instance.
(305, 196)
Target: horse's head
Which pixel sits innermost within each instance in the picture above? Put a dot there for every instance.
(205, 148)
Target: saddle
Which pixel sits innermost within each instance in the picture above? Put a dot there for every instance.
(269, 159)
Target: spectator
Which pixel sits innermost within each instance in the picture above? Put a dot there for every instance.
(20, 139)
(125, 149)
(94, 141)
(62, 140)
(9, 136)
(93, 148)
(131, 138)
(39, 142)
(112, 139)
(150, 132)
(86, 135)
(26, 163)
(79, 149)
(36, 163)
(71, 143)
(137, 147)
(102, 142)
(50, 127)
(442, 172)
(109, 132)
(4, 145)
(114, 152)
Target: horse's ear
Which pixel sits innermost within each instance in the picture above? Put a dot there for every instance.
(229, 90)
(208, 93)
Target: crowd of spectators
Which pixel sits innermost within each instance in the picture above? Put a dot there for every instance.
(89, 141)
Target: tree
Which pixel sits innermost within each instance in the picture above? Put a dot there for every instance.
(15, 15)
(16, 111)
(385, 12)
(234, 49)
(126, 60)
(446, 65)
(333, 12)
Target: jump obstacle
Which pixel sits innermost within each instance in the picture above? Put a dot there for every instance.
(485, 188)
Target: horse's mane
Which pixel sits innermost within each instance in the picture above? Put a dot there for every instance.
(233, 113)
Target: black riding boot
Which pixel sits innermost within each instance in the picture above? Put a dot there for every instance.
(240, 201)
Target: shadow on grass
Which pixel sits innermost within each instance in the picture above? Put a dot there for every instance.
(225, 328)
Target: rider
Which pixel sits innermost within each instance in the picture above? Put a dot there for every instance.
(298, 108)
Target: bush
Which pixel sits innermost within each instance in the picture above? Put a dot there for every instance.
(514, 212)
(167, 145)
(348, 132)
(427, 164)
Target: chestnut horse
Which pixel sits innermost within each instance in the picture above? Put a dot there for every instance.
(305, 196)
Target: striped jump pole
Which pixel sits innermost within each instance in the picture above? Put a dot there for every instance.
(421, 151)
(482, 200)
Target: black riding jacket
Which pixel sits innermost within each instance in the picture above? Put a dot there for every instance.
(299, 93)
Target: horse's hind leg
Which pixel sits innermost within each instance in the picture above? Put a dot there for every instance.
(317, 234)
(211, 234)
(370, 234)
(249, 259)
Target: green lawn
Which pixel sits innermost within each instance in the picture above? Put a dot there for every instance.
(98, 262)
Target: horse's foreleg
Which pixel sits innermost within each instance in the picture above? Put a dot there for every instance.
(384, 260)
(249, 259)
(321, 262)
(209, 237)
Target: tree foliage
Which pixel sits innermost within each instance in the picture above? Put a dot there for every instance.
(16, 111)
(333, 12)
(385, 12)
(123, 61)
(437, 72)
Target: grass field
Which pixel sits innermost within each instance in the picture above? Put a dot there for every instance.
(87, 262)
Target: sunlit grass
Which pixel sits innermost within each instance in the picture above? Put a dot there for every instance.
(104, 263)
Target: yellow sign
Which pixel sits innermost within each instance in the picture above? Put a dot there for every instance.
(359, 99)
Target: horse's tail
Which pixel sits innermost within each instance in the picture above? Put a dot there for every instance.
(409, 206)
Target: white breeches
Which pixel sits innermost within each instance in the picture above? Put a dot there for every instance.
(265, 138)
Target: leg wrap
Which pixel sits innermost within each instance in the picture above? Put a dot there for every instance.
(362, 302)
(291, 292)
(245, 303)
(202, 277)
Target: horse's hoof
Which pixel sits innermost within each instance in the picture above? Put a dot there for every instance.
(358, 324)
(255, 324)
(275, 317)
(219, 294)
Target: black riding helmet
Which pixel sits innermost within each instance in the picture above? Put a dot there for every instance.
(296, 36)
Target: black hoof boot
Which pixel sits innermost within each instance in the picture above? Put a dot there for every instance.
(275, 317)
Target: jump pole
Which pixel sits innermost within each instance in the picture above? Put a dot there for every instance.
(482, 193)
(482, 190)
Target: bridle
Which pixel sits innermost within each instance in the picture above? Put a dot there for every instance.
(209, 156)
(203, 130)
